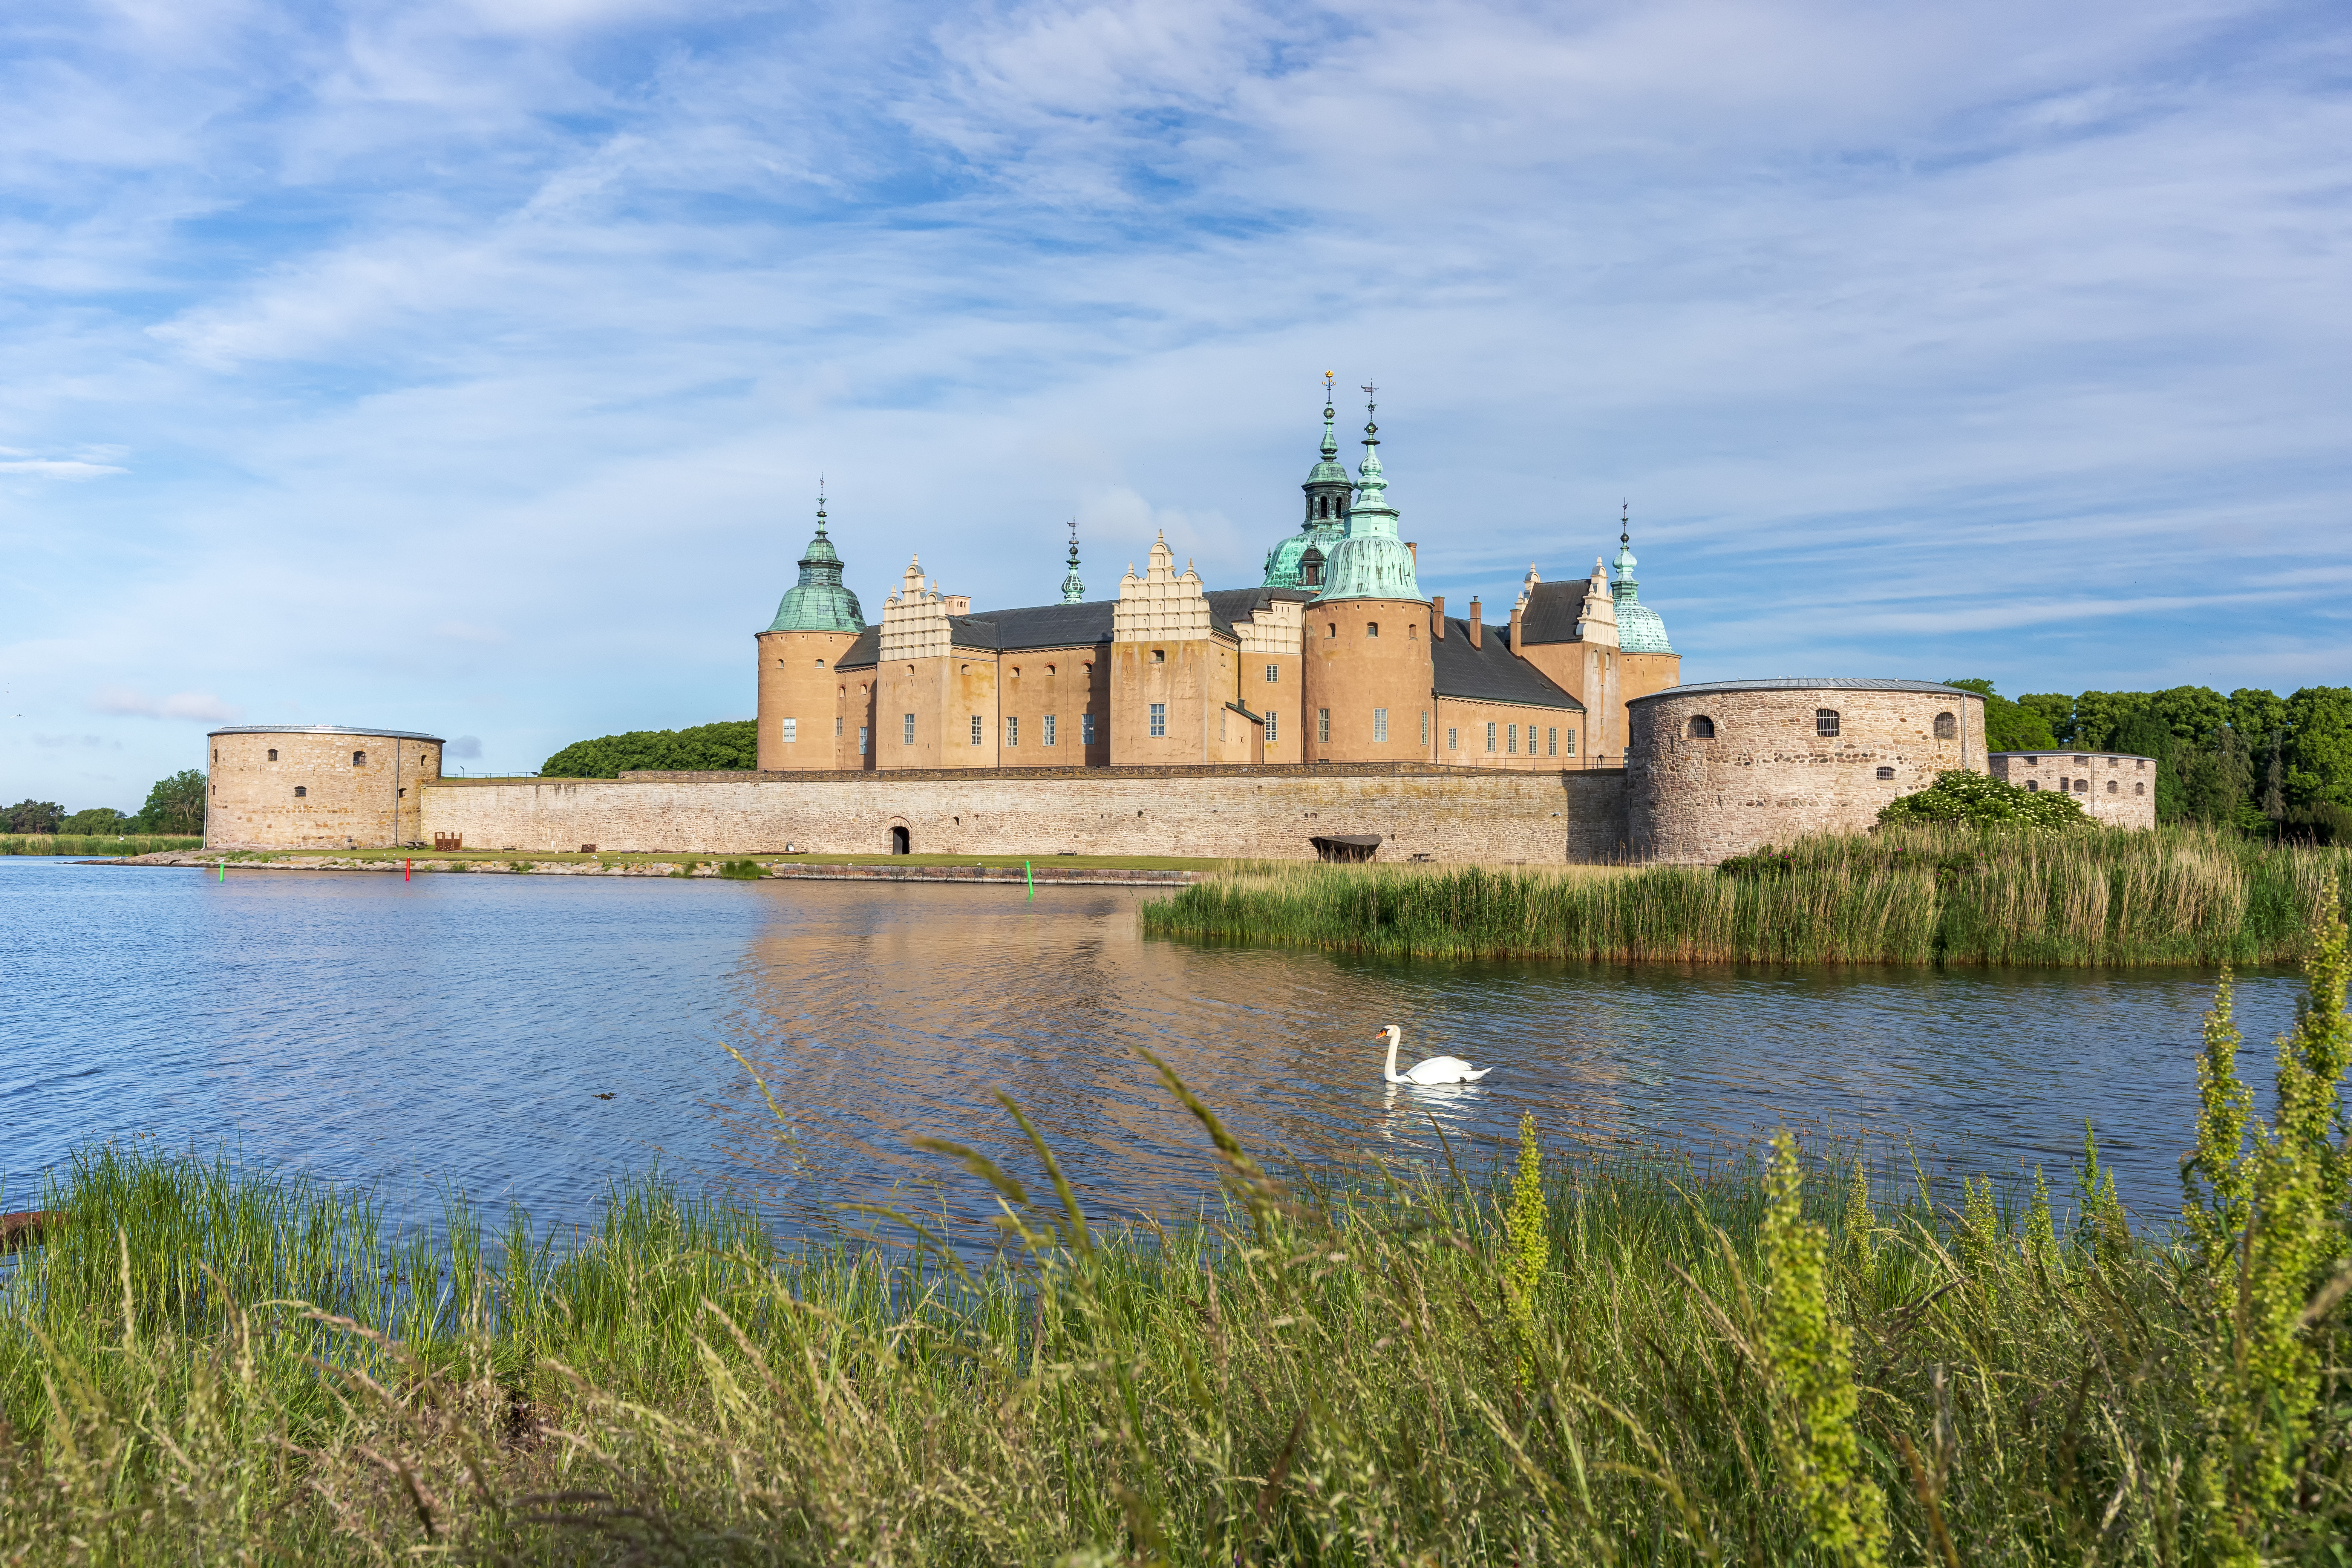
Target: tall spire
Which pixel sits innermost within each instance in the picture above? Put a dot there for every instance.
(1073, 589)
(1371, 560)
(820, 602)
(1639, 627)
(1330, 436)
(1327, 492)
(1371, 484)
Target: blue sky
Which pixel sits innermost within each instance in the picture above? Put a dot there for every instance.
(468, 367)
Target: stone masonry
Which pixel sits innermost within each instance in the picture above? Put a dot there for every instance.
(2118, 788)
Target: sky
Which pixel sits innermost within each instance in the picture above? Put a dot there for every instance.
(470, 367)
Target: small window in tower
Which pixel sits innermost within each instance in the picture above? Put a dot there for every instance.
(1047, 738)
(836, 726)
(792, 732)
(359, 759)
(2082, 761)
(1372, 628)
(1946, 727)
(273, 754)
(2139, 787)
(1011, 730)
(1453, 738)
(1412, 632)
(975, 730)
(1271, 726)
(1551, 743)
(1424, 726)
(909, 739)
(2033, 784)
(1273, 674)
(1886, 772)
(1323, 726)
(1331, 628)
(820, 664)
(1087, 726)
(1511, 741)
(1825, 721)
(1016, 672)
(1702, 728)
(1158, 719)
(861, 740)
(1380, 723)
(1490, 737)
(2081, 786)
(1049, 669)
(1159, 656)
(300, 790)
(2111, 787)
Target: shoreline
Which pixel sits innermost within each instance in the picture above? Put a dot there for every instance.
(681, 865)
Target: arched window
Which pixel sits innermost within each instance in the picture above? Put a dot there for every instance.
(1412, 632)
(1946, 727)
(2111, 786)
(2139, 787)
(273, 754)
(1702, 728)
(1331, 629)
(301, 790)
(2081, 786)
(820, 664)
(1825, 721)
(359, 759)
(2033, 784)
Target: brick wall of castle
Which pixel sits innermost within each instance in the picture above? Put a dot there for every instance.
(1270, 813)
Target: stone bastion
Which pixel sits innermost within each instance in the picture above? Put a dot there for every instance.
(316, 786)
(2118, 788)
(1728, 766)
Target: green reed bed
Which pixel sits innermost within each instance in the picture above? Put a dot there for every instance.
(1901, 894)
(71, 843)
(1574, 1358)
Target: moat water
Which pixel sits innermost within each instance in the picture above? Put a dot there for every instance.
(531, 1039)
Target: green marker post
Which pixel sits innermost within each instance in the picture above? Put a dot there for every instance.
(1030, 877)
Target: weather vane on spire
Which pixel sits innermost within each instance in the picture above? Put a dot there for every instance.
(1371, 391)
(1073, 589)
(820, 503)
(1626, 521)
(1326, 389)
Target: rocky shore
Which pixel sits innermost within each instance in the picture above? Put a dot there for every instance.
(682, 866)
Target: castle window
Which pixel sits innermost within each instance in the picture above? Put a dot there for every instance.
(1049, 669)
(975, 729)
(1490, 737)
(910, 737)
(1946, 727)
(820, 664)
(2141, 765)
(2082, 761)
(792, 731)
(1453, 738)
(1551, 743)
(1016, 672)
(1158, 719)
(1331, 628)
(1511, 741)
(1047, 738)
(359, 759)
(1412, 632)
(399, 794)
(861, 740)
(1012, 727)
(1825, 721)
(2139, 787)
(273, 754)
(2111, 786)
(1380, 723)
(1886, 772)
(1087, 726)
(1274, 675)
(1159, 656)
(2033, 784)
(2081, 786)
(836, 726)
(1323, 726)
(1270, 717)
(1702, 728)
(300, 790)
(1424, 726)
(1220, 724)
(1572, 745)
(2033, 761)
(1372, 628)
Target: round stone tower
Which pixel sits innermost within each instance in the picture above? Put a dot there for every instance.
(316, 786)
(801, 706)
(1329, 490)
(1368, 676)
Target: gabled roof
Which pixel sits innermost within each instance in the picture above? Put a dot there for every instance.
(1043, 626)
(865, 651)
(1490, 672)
(1227, 605)
(1553, 610)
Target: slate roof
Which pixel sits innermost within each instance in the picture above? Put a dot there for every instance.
(1553, 610)
(1798, 683)
(321, 730)
(866, 651)
(1065, 626)
(1490, 672)
(1227, 605)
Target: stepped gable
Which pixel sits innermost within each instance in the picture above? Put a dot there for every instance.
(1491, 672)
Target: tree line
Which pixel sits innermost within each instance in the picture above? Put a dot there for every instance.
(174, 806)
(2252, 760)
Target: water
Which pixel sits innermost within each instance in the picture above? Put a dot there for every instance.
(530, 1038)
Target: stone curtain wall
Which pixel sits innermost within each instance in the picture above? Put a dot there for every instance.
(1766, 777)
(1264, 813)
(2115, 787)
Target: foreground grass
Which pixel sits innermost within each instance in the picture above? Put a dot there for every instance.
(1918, 895)
(108, 844)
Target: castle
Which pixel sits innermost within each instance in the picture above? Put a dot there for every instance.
(1332, 707)
(1336, 657)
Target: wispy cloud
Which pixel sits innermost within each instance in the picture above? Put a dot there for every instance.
(124, 701)
(470, 347)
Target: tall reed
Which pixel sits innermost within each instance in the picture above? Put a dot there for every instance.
(94, 844)
(1913, 895)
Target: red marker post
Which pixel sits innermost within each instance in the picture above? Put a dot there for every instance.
(407, 869)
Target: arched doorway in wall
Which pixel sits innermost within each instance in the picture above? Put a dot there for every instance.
(900, 842)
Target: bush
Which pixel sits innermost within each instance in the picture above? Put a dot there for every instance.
(1960, 796)
(2321, 822)
(729, 746)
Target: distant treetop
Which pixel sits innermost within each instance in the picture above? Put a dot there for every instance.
(725, 747)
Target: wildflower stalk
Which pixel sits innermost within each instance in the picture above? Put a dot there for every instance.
(1527, 1239)
(1810, 1357)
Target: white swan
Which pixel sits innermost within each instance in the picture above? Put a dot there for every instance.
(1436, 1070)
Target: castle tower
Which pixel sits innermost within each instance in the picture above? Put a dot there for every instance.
(802, 717)
(1368, 675)
(1646, 662)
(1074, 587)
(1329, 493)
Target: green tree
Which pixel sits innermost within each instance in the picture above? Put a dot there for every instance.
(96, 821)
(2009, 726)
(730, 746)
(2057, 710)
(2319, 746)
(1962, 797)
(176, 804)
(2218, 782)
(32, 816)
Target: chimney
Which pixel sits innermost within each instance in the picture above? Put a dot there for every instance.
(1475, 627)
(1518, 612)
(1414, 550)
(1437, 617)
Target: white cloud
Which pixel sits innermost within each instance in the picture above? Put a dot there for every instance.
(465, 748)
(125, 701)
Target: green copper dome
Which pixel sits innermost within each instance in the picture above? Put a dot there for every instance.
(1371, 562)
(1074, 587)
(1327, 492)
(1639, 627)
(820, 602)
